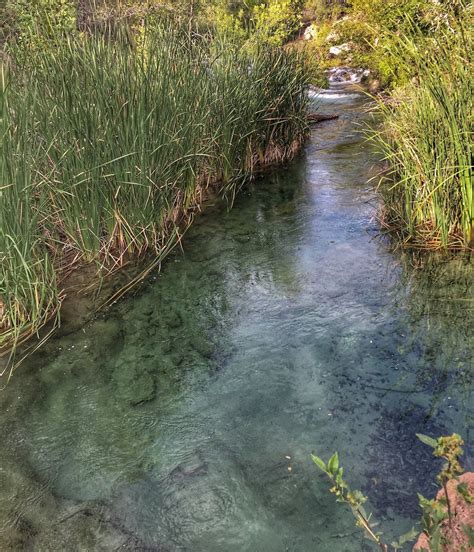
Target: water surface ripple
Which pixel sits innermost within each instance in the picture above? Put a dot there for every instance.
(184, 417)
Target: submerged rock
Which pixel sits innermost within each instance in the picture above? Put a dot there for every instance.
(204, 347)
(183, 471)
(25, 506)
(134, 386)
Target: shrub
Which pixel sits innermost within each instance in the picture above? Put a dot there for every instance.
(38, 23)
(278, 20)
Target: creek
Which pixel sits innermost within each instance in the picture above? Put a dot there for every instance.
(183, 418)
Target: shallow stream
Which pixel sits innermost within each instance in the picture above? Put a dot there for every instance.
(184, 417)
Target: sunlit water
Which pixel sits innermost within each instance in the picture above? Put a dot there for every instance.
(184, 417)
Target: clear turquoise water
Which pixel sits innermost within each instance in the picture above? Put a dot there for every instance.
(184, 417)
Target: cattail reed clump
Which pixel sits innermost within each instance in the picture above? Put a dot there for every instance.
(109, 142)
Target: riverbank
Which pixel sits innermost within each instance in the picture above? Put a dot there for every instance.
(421, 55)
(456, 532)
(107, 152)
(102, 172)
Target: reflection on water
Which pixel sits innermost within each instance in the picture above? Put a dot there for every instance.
(184, 418)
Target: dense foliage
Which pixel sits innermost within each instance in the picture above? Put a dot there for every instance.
(370, 28)
(272, 21)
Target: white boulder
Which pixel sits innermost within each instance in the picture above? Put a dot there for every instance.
(310, 32)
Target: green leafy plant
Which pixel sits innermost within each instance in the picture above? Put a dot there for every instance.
(355, 499)
(40, 24)
(435, 512)
(277, 20)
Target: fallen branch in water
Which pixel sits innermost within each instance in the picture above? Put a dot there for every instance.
(314, 118)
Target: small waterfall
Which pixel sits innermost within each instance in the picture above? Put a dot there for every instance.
(342, 76)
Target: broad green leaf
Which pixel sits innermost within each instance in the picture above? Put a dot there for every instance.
(425, 504)
(319, 462)
(339, 479)
(427, 440)
(333, 464)
(407, 537)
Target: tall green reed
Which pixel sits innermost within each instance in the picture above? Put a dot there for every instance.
(428, 141)
(116, 138)
(28, 291)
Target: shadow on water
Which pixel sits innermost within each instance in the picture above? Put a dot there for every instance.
(184, 417)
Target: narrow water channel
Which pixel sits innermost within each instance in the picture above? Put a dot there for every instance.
(184, 417)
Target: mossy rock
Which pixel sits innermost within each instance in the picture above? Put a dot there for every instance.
(203, 346)
(174, 320)
(133, 385)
